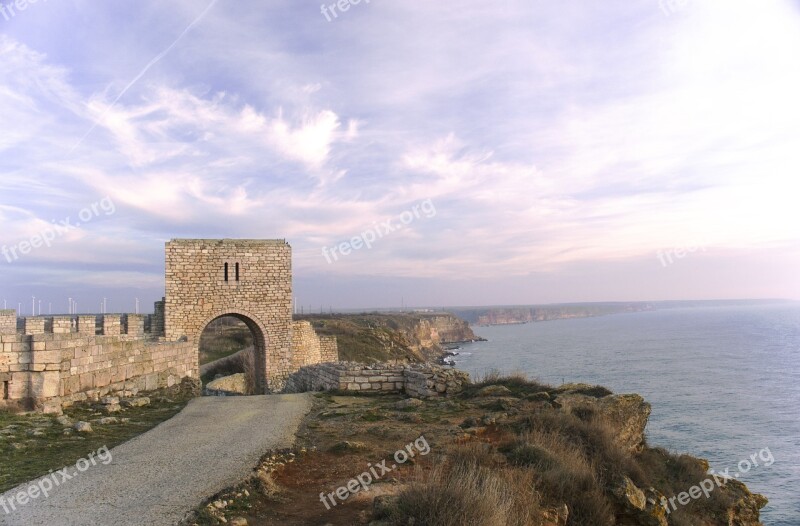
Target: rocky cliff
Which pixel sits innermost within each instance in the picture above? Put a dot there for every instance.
(411, 337)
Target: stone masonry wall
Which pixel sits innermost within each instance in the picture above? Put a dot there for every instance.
(247, 279)
(308, 348)
(329, 349)
(44, 370)
(421, 381)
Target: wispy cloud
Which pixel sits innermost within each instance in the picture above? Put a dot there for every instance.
(547, 138)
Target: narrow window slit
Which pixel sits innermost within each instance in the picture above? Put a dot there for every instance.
(237, 272)
(226, 272)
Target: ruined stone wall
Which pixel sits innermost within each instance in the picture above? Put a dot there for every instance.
(329, 349)
(158, 320)
(309, 348)
(248, 279)
(60, 360)
(421, 381)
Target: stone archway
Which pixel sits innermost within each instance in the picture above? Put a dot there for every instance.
(260, 345)
(249, 279)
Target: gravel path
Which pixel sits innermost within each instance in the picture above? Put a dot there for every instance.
(158, 477)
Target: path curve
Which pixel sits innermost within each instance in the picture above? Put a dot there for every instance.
(207, 366)
(158, 477)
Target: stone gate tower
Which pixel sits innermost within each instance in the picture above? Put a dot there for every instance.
(248, 279)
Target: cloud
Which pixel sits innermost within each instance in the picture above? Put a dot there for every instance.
(546, 137)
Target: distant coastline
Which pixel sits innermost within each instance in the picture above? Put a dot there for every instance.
(522, 314)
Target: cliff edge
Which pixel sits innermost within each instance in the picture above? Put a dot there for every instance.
(382, 337)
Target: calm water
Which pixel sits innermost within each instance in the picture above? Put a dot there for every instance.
(724, 382)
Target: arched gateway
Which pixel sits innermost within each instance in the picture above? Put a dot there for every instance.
(248, 279)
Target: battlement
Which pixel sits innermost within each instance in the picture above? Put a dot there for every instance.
(131, 325)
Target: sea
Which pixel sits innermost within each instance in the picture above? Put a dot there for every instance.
(723, 382)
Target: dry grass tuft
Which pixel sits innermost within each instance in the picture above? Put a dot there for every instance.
(465, 490)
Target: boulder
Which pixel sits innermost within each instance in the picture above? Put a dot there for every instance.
(136, 402)
(233, 385)
(494, 390)
(112, 408)
(82, 427)
(627, 415)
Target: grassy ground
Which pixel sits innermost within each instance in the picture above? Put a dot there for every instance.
(511, 459)
(222, 338)
(33, 444)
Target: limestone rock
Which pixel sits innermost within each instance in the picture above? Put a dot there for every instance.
(637, 507)
(626, 414)
(112, 408)
(64, 421)
(745, 510)
(494, 390)
(629, 495)
(136, 402)
(543, 396)
(233, 385)
(82, 427)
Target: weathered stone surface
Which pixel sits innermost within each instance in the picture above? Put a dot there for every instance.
(136, 402)
(111, 408)
(494, 390)
(82, 427)
(629, 495)
(745, 510)
(626, 414)
(235, 384)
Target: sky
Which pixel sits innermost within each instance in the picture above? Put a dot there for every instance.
(412, 153)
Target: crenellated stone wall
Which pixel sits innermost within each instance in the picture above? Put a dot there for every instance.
(59, 360)
(8, 321)
(418, 380)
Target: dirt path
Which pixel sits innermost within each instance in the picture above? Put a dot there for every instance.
(158, 477)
